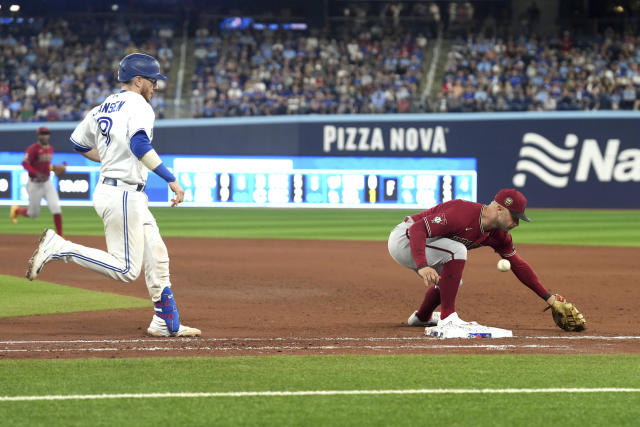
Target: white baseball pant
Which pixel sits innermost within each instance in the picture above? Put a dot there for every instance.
(133, 240)
(37, 191)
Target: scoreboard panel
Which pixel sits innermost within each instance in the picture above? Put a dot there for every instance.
(325, 181)
(267, 181)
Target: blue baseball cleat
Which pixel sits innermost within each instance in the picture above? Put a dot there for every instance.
(166, 321)
(167, 310)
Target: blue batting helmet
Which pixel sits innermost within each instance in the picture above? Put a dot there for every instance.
(139, 64)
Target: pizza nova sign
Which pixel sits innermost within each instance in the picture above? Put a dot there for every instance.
(367, 139)
(553, 164)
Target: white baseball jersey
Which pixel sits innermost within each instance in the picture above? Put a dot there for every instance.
(109, 127)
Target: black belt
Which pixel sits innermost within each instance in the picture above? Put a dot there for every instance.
(114, 182)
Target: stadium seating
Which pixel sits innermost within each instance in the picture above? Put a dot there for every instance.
(249, 72)
(57, 69)
(541, 74)
(373, 59)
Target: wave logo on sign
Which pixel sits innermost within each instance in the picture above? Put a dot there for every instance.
(544, 160)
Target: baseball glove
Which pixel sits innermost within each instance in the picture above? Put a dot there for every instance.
(60, 169)
(566, 315)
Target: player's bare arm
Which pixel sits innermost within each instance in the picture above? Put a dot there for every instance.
(178, 191)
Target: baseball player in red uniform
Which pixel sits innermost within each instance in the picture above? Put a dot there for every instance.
(434, 243)
(37, 161)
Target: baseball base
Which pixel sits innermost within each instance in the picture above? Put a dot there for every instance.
(471, 330)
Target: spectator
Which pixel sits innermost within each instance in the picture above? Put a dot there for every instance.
(50, 65)
(629, 98)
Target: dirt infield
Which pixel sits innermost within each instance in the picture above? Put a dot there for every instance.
(264, 297)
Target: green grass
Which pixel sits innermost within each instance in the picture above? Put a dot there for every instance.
(296, 373)
(565, 227)
(581, 227)
(30, 298)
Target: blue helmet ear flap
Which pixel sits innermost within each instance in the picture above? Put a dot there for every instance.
(139, 64)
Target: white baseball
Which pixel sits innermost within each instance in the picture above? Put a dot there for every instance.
(504, 265)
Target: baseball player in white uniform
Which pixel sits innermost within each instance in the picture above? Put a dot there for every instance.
(118, 134)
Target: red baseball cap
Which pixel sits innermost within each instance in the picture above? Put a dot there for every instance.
(514, 201)
(43, 130)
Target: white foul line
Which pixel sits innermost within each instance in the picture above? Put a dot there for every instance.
(247, 339)
(290, 344)
(317, 393)
(285, 347)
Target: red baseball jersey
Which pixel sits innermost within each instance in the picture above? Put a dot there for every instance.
(37, 159)
(461, 221)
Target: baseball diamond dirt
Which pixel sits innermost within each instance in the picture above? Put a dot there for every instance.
(265, 297)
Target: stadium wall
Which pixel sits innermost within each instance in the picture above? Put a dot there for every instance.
(558, 160)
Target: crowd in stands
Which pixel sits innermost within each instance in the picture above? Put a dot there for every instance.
(55, 69)
(58, 69)
(263, 73)
(522, 74)
(452, 15)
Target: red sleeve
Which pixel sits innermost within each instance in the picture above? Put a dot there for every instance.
(501, 242)
(28, 160)
(29, 168)
(428, 224)
(526, 275)
(418, 242)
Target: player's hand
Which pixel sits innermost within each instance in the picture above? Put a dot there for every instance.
(178, 191)
(429, 275)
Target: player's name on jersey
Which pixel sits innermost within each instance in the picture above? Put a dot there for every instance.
(110, 107)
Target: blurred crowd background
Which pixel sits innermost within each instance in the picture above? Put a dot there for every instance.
(258, 58)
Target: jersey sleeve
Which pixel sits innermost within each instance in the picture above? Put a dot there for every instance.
(438, 224)
(427, 225)
(29, 159)
(142, 120)
(30, 154)
(84, 136)
(417, 241)
(525, 273)
(502, 243)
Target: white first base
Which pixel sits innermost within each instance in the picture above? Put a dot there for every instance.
(472, 330)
